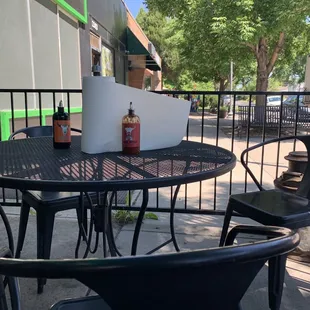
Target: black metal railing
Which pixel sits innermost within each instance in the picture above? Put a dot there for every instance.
(283, 113)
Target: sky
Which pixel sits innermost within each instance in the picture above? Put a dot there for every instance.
(134, 6)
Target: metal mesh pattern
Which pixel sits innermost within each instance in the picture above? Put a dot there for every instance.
(36, 159)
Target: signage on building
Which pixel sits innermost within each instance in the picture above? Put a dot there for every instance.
(94, 25)
(76, 8)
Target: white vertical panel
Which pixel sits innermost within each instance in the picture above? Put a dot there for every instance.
(307, 80)
(307, 76)
(59, 48)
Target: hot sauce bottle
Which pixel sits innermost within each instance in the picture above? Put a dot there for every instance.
(61, 128)
(131, 132)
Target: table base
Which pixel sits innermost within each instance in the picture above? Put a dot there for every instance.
(101, 223)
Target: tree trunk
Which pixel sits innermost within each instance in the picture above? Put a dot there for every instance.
(264, 68)
(262, 71)
(222, 84)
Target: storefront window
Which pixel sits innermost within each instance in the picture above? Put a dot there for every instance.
(107, 61)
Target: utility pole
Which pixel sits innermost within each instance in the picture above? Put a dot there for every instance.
(231, 86)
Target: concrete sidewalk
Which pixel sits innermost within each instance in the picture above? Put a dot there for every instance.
(193, 232)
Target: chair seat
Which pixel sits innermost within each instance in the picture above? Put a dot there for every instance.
(273, 207)
(86, 303)
(50, 198)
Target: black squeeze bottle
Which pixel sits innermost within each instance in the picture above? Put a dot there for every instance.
(61, 128)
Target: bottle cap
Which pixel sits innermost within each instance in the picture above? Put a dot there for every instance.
(131, 111)
(61, 108)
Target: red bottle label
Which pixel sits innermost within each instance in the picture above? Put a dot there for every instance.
(131, 135)
(62, 131)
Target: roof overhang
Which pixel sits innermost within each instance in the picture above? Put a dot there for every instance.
(139, 44)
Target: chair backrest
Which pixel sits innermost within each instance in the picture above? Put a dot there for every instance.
(37, 131)
(205, 279)
(304, 187)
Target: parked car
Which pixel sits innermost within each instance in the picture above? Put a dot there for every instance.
(290, 111)
(293, 100)
(273, 101)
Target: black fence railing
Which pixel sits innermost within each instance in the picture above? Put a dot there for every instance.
(232, 120)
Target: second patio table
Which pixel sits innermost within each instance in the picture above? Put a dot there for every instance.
(33, 164)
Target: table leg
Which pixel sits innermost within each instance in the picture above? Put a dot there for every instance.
(102, 219)
(136, 234)
(172, 209)
(110, 234)
(83, 233)
(101, 222)
(172, 232)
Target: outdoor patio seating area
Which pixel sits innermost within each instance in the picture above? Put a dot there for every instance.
(174, 201)
(154, 155)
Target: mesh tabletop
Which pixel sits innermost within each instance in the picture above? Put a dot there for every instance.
(35, 164)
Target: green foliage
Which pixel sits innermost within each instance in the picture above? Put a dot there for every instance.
(164, 33)
(123, 217)
(224, 108)
(154, 25)
(215, 32)
(169, 39)
(274, 84)
(151, 216)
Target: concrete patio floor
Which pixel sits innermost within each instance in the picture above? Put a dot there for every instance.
(193, 232)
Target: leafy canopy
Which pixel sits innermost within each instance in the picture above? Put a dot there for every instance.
(218, 30)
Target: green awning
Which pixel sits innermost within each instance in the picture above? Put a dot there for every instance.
(135, 47)
(151, 64)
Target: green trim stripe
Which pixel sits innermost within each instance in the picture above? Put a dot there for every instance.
(6, 116)
(66, 6)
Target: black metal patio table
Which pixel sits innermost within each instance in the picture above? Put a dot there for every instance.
(33, 164)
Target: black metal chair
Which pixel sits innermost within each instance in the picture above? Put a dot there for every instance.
(46, 205)
(272, 207)
(11, 282)
(205, 279)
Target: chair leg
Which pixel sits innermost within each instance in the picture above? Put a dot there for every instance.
(227, 219)
(23, 221)
(81, 213)
(85, 218)
(276, 273)
(45, 225)
(3, 301)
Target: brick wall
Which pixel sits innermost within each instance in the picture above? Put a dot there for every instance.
(136, 78)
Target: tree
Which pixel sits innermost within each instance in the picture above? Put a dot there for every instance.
(166, 37)
(292, 63)
(154, 26)
(184, 56)
(206, 55)
(266, 29)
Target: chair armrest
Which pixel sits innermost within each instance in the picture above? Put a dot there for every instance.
(266, 231)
